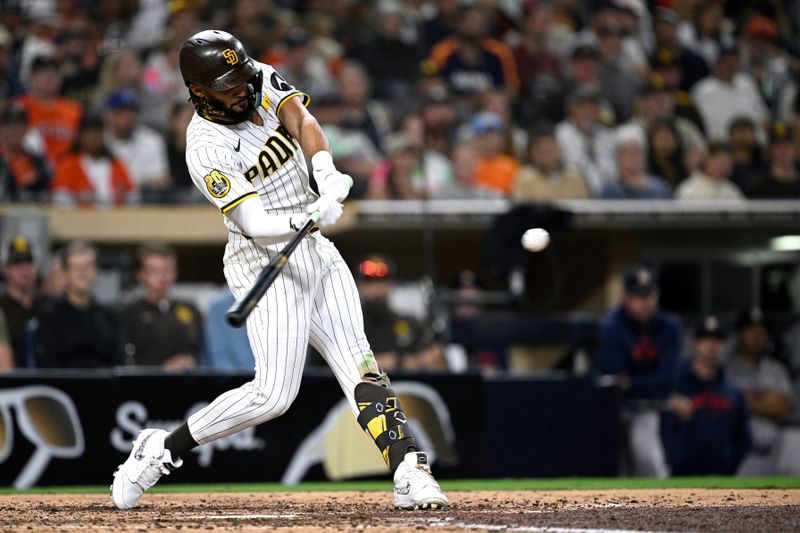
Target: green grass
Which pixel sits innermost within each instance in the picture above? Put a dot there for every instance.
(459, 484)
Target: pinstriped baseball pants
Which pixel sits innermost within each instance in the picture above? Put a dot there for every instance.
(314, 300)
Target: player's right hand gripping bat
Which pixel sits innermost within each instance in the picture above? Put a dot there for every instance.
(240, 310)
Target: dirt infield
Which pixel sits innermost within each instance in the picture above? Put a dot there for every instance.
(726, 510)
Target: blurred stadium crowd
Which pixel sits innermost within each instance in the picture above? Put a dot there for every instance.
(530, 100)
(447, 98)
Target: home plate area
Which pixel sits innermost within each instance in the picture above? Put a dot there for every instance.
(728, 510)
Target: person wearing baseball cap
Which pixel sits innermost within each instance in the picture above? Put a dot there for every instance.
(768, 393)
(20, 300)
(782, 177)
(141, 149)
(705, 428)
(639, 344)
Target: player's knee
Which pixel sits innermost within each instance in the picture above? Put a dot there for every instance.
(270, 403)
(282, 405)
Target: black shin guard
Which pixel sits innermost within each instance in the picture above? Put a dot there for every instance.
(382, 417)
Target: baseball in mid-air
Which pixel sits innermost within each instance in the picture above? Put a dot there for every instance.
(535, 239)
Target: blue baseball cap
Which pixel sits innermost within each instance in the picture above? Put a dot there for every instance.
(640, 280)
(485, 122)
(123, 99)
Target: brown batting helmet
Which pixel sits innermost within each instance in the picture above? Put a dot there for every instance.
(216, 60)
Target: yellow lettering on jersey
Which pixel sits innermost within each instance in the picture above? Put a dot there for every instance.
(230, 55)
(217, 184)
(278, 150)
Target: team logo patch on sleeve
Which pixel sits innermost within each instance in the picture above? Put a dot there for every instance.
(217, 184)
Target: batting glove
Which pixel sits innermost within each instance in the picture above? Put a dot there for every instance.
(329, 209)
(329, 180)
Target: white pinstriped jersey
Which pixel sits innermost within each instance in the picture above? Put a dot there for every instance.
(231, 163)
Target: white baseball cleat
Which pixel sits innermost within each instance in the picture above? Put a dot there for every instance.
(414, 485)
(148, 461)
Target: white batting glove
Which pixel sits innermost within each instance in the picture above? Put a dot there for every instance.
(329, 209)
(329, 180)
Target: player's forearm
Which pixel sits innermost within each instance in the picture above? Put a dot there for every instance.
(266, 229)
(312, 139)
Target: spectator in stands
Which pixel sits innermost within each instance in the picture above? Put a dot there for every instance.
(546, 176)
(161, 82)
(6, 356)
(711, 180)
(406, 174)
(633, 182)
(666, 68)
(391, 335)
(765, 60)
(79, 60)
(619, 80)
(303, 69)
(248, 20)
(539, 68)
(160, 330)
(656, 101)
(24, 175)
(75, 331)
(361, 113)
(391, 59)
(179, 116)
(768, 391)
(495, 170)
(442, 24)
(439, 119)
(121, 69)
(582, 69)
(781, 180)
(585, 142)
(665, 29)
(640, 344)
(55, 117)
(702, 33)
(705, 428)
(141, 149)
(498, 101)
(464, 186)
(226, 347)
(727, 94)
(471, 61)
(20, 301)
(748, 159)
(10, 84)
(666, 156)
(788, 101)
(54, 280)
(90, 174)
(352, 151)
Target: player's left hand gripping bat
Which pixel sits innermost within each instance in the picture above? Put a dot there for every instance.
(240, 310)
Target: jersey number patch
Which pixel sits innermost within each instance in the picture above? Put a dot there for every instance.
(217, 184)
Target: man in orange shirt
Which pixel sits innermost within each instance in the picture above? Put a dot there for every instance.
(495, 170)
(54, 116)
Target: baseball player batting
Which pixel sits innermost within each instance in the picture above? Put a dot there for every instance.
(246, 151)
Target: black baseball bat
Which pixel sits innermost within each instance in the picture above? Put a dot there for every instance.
(240, 310)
